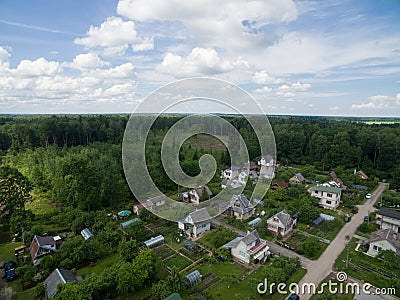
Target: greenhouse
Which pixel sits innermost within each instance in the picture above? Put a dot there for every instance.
(193, 278)
(126, 224)
(154, 241)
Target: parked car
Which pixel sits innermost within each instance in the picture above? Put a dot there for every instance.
(366, 219)
(9, 270)
(347, 219)
(368, 196)
(294, 297)
(354, 211)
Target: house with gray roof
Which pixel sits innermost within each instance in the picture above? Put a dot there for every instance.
(297, 178)
(197, 194)
(329, 196)
(388, 218)
(383, 239)
(57, 277)
(248, 249)
(43, 245)
(241, 207)
(282, 223)
(196, 223)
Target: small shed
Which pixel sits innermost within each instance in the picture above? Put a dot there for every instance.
(190, 245)
(154, 241)
(86, 233)
(254, 223)
(126, 224)
(193, 278)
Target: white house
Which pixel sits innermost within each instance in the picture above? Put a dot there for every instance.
(266, 161)
(196, 223)
(231, 173)
(42, 245)
(242, 178)
(329, 196)
(388, 218)
(383, 239)
(281, 223)
(248, 249)
(195, 195)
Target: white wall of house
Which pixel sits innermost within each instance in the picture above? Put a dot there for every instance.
(387, 222)
(197, 230)
(376, 247)
(276, 226)
(240, 252)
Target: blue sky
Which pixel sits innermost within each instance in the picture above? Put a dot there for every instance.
(294, 57)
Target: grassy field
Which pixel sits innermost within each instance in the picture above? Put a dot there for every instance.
(178, 261)
(7, 251)
(100, 266)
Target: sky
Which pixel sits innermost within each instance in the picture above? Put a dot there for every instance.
(339, 58)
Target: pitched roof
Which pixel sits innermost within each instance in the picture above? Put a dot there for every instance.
(282, 184)
(233, 243)
(385, 234)
(299, 176)
(200, 216)
(200, 190)
(58, 276)
(241, 204)
(284, 217)
(387, 212)
(251, 237)
(362, 174)
(327, 189)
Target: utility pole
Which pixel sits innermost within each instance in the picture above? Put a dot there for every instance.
(23, 236)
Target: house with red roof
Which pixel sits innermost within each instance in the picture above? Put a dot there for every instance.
(43, 245)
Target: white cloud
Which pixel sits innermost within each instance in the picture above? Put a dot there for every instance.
(87, 61)
(199, 61)
(263, 90)
(214, 22)
(4, 54)
(38, 67)
(115, 36)
(378, 102)
(262, 77)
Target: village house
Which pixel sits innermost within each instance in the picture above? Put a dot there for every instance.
(241, 207)
(388, 218)
(383, 239)
(196, 195)
(280, 185)
(248, 249)
(281, 223)
(298, 178)
(150, 204)
(42, 245)
(195, 223)
(329, 196)
(362, 175)
(335, 181)
(242, 178)
(56, 278)
(231, 173)
(266, 161)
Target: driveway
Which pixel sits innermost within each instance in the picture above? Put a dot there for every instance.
(318, 270)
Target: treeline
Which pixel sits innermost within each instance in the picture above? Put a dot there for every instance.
(323, 142)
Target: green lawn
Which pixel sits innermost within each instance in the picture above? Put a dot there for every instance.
(7, 251)
(99, 266)
(40, 204)
(177, 261)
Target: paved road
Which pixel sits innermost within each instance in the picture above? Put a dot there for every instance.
(274, 248)
(318, 270)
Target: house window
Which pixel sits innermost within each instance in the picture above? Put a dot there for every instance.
(377, 249)
(329, 195)
(242, 254)
(328, 202)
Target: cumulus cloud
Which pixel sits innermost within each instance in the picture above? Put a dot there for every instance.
(204, 61)
(87, 61)
(214, 22)
(4, 54)
(115, 36)
(263, 90)
(262, 77)
(38, 67)
(378, 102)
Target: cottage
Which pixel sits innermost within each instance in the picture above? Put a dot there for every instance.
(298, 178)
(241, 207)
(362, 175)
(196, 223)
(231, 173)
(86, 233)
(242, 178)
(388, 218)
(196, 195)
(383, 239)
(57, 277)
(42, 245)
(281, 223)
(337, 181)
(329, 196)
(266, 161)
(248, 249)
(280, 185)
